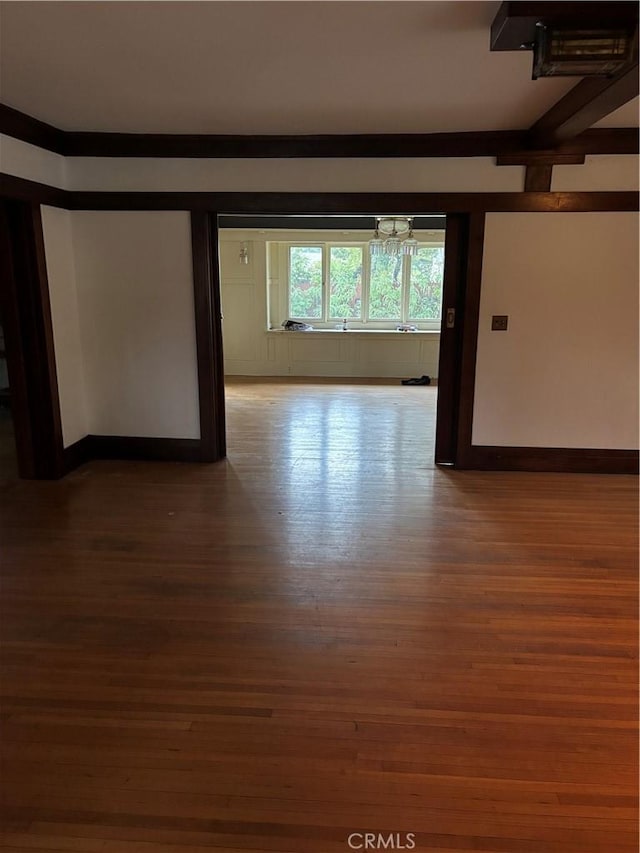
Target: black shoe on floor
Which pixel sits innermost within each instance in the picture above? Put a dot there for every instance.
(422, 380)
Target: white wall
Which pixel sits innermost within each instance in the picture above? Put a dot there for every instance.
(476, 174)
(251, 350)
(32, 163)
(56, 226)
(604, 172)
(565, 374)
(135, 295)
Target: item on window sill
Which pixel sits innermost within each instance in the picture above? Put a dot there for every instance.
(296, 326)
(421, 380)
(406, 327)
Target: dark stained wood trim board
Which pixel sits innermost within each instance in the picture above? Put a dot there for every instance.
(322, 223)
(449, 359)
(469, 345)
(274, 203)
(143, 448)
(26, 310)
(560, 459)
(540, 158)
(208, 319)
(538, 178)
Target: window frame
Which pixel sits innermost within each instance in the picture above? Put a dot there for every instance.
(364, 323)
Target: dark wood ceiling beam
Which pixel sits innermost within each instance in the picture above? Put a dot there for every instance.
(471, 144)
(500, 143)
(588, 102)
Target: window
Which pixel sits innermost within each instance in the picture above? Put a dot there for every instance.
(330, 282)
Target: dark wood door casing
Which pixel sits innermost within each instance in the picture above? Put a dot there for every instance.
(26, 311)
(453, 290)
(208, 314)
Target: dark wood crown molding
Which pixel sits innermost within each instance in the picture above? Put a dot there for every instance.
(22, 126)
(466, 144)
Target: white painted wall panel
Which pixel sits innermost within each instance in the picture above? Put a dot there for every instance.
(58, 245)
(601, 173)
(32, 163)
(135, 289)
(475, 174)
(565, 374)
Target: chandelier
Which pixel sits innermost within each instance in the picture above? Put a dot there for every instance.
(393, 236)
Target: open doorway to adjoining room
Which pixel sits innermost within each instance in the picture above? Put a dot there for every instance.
(355, 377)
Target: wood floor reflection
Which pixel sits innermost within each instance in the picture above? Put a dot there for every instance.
(322, 635)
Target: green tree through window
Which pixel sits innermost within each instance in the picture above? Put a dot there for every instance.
(305, 282)
(425, 289)
(345, 265)
(385, 294)
(329, 282)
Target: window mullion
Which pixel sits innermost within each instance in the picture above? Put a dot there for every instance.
(406, 284)
(326, 282)
(366, 279)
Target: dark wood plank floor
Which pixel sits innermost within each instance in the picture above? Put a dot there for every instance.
(322, 635)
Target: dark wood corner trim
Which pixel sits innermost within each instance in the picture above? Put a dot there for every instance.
(490, 143)
(559, 459)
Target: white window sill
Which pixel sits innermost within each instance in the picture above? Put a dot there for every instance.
(393, 332)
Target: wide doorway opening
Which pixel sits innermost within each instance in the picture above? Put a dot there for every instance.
(331, 330)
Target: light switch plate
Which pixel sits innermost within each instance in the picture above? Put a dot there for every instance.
(499, 322)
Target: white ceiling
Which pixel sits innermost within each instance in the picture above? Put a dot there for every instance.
(269, 67)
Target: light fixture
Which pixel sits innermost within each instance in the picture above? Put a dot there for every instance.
(393, 236)
(576, 52)
(244, 253)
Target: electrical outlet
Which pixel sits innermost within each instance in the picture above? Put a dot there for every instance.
(499, 322)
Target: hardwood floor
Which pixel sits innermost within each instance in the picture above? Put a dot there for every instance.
(322, 635)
